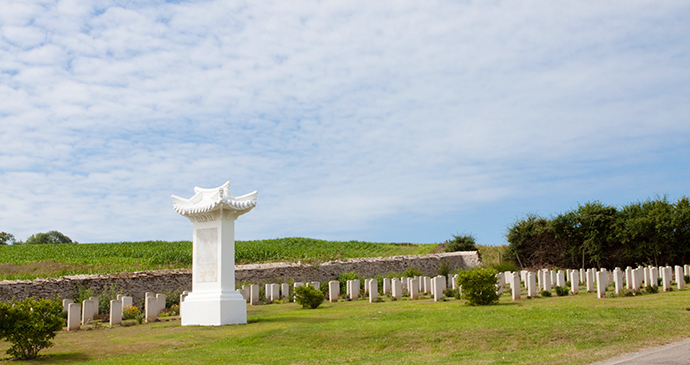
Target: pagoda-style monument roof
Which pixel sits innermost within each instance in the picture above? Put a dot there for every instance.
(208, 200)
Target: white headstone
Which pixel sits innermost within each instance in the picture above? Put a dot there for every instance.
(356, 289)
(618, 280)
(414, 289)
(315, 284)
(246, 292)
(268, 290)
(680, 280)
(590, 280)
(115, 312)
(575, 281)
(254, 294)
(396, 288)
(546, 280)
(386, 286)
(333, 290)
(515, 286)
(66, 303)
(636, 277)
(531, 284)
(73, 314)
(602, 281)
(654, 276)
(89, 309)
(275, 292)
(285, 291)
(666, 278)
(214, 300)
(436, 285)
(373, 290)
(126, 302)
(560, 278)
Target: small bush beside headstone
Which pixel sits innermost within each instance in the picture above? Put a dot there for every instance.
(309, 297)
(478, 286)
(29, 325)
(562, 291)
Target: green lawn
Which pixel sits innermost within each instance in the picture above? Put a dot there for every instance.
(559, 330)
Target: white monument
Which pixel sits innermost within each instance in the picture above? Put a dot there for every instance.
(214, 300)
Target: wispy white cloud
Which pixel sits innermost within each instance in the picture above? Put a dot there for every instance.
(401, 121)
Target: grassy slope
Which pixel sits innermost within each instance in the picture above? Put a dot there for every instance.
(559, 330)
(154, 255)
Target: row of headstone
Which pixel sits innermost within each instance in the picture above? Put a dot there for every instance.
(634, 279)
(81, 314)
(272, 291)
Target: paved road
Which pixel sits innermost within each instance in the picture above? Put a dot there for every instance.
(677, 353)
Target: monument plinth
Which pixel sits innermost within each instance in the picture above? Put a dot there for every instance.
(214, 300)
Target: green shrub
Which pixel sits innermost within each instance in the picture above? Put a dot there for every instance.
(545, 293)
(308, 297)
(562, 291)
(449, 292)
(478, 286)
(658, 281)
(323, 287)
(29, 325)
(649, 289)
(461, 243)
(412, 272)
(611, 295)
(686, 278)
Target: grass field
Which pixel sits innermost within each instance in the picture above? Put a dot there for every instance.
(560, 330)
(32, 261)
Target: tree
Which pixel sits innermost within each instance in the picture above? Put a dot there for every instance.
(532, 242)
(51, 237)
(29, 325)
(7, 238)
(595, 225)
(681, 225)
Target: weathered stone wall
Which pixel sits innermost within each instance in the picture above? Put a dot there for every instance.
(137, 283)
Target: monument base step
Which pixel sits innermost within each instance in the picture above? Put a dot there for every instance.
(207, 311)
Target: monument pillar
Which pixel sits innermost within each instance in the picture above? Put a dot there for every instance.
(214, 300)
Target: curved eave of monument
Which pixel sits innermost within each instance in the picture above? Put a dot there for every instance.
(207, 200)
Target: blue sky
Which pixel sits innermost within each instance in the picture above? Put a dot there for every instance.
(396, 121)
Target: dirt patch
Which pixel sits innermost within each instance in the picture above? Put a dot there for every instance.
(43, 268)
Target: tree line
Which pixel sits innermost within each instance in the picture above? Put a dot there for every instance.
(50, 237)
(651, 232)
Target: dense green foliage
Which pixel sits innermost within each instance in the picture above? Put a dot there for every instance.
(48, 238)
(478, 286)
(653, 232)
(308, 297)
(461, 243)
(132, 256)
(29, 325)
